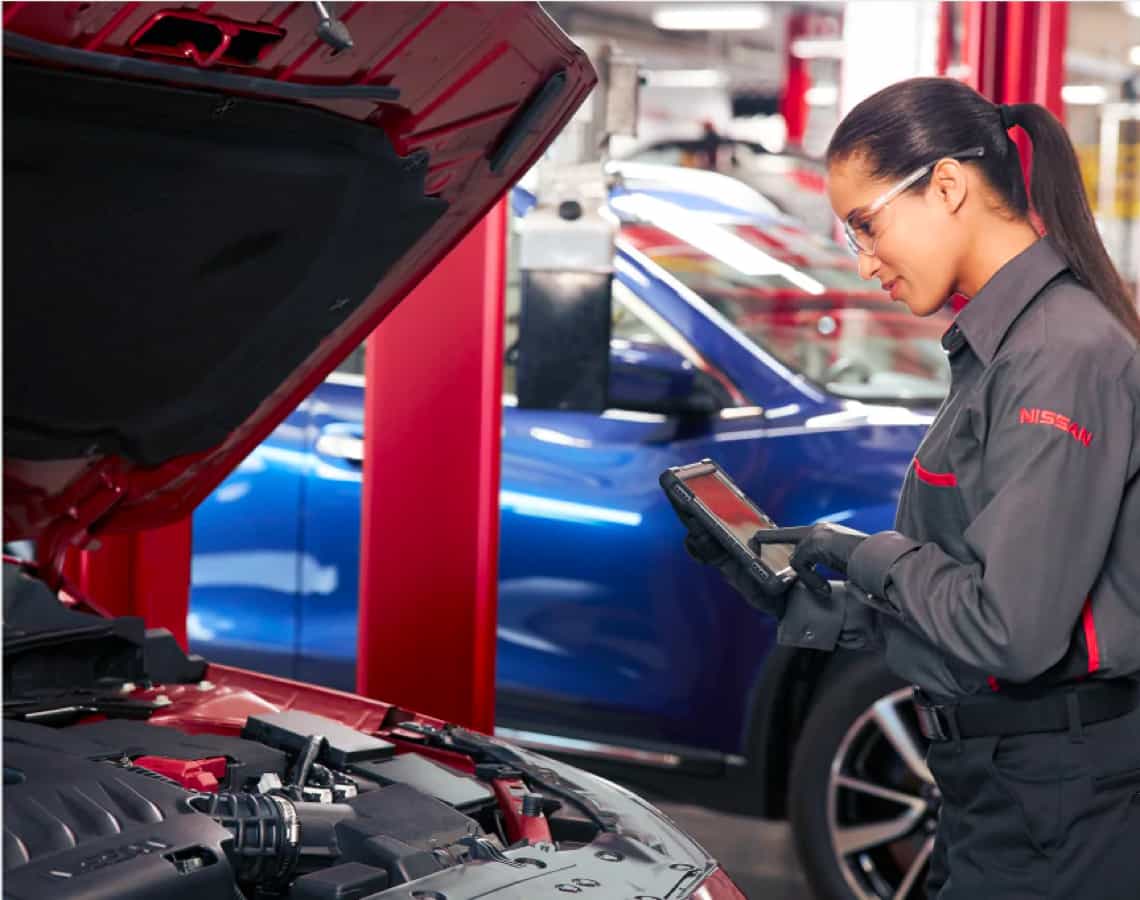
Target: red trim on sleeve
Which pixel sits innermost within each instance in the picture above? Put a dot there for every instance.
(937, 479)
(1090, 635)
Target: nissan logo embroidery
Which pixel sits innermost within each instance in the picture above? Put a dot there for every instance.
(1048, 417)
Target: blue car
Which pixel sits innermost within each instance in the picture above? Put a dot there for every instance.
(761, 348)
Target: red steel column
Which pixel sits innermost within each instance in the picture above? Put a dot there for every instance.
(1015, 84)
(980, 45)
(797, 80)
(1015, 52)
(1051, 36)
(142, 574)
(1011, 53)
(946, 24)
(430, 500)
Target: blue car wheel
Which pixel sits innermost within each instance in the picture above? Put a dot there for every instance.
(863, 805)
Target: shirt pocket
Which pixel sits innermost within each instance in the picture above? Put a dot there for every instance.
(937, 508)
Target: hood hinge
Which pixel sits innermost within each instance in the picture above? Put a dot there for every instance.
(84, 507)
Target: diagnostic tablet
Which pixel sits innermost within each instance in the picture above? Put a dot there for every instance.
(706, 492)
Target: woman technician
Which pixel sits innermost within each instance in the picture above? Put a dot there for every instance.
(1009, 594)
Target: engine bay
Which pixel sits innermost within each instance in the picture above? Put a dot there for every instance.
(134, 769)
(211, 812)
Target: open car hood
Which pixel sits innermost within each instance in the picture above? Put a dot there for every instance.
(206, 212)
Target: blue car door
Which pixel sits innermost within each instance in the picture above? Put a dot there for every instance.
(330, 528)
(606, 628)
(247, 557)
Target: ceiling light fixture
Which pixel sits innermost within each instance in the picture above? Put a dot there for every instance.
(818, 48)
(685, 78)
(1084, 94)
(742, 17)
(822, 95)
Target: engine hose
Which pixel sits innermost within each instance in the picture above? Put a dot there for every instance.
(275, 838)
(266, 831)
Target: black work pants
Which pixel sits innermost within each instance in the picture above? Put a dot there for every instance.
(1040, 816)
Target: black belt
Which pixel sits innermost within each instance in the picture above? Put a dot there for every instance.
(1059, 710)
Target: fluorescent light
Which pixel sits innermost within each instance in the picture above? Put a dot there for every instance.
(822, 95)
(1134, 55)
(1132, 7)
(818, 48)
(686, 78)
(1084, 94)
(743, 17)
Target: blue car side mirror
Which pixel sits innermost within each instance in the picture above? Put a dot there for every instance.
(651, 378)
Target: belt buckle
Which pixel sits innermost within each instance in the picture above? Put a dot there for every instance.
(933, 722)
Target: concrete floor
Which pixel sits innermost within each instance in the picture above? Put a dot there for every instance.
(760, 856)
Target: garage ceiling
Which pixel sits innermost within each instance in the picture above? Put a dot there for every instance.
(1101, 34)
(751, 59)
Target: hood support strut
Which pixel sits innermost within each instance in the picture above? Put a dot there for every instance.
(91, 500)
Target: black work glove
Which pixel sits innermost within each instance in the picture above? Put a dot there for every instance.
(824, 544)
(699, 542)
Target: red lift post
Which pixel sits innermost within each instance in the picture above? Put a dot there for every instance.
(797, 80)
(145, 573)
(429, 546)
(1012, 52)
(1015, 53)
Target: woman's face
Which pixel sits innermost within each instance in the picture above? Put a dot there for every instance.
(916, 241)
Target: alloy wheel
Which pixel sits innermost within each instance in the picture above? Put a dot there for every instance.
(883, 803)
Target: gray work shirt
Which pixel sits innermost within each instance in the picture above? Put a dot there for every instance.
(1016, 554)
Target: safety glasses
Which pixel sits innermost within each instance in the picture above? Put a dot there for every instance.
(863, 235)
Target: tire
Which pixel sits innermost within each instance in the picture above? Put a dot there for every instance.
(861, 732)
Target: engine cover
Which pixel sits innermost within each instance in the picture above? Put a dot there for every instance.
(76, 828)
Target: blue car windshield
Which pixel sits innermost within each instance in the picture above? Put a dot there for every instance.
(802, 300)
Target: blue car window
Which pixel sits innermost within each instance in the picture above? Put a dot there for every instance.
(627, 325)
(802, 301)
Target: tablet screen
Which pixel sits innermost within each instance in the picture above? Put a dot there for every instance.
(739, 516)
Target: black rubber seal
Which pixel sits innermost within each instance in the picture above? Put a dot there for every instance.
(526, 120)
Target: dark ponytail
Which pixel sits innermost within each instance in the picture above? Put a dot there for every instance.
(1059, 199)
(912, 123)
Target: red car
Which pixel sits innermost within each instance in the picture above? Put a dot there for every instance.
(207, 209)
